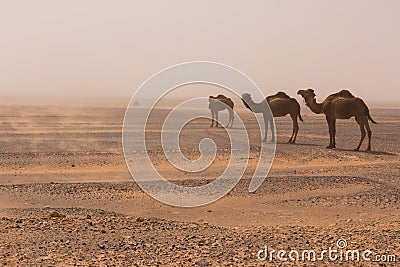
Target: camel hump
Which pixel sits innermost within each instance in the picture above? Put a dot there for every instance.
(345, 93)
(221, 97)
(280, 94)
(218, 97)
(342, 93)
(224, 98)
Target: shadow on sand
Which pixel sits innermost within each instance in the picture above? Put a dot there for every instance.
(382, 153)
(230, 128)
(297, 144)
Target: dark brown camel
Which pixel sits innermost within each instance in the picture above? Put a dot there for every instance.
(280, 104)
(219, 103)
(342, 105)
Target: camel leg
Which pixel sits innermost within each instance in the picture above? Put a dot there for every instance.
(231, 116)
(360, 122)
(216, 119)
(265, 127)
(271, 122)
(369, 134)
(212, 119)
(295, 128)
(229, 120)
(334, 133)
(291, 137)
(331, 132)
(329, 121)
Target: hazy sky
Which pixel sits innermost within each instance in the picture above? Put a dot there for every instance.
(106, 49)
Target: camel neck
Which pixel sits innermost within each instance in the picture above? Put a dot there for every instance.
(315, 107)
(257, 107)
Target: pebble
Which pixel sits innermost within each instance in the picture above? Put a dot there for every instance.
(202, 263)
(55, 214)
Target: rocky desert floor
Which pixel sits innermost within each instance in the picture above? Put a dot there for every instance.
(68, 199)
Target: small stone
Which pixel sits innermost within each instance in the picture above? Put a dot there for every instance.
(140, 219)
(55, 214)
(202, 263)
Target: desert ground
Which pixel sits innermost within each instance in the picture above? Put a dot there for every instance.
(68, 199)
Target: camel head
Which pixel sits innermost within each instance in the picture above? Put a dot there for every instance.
(246, 98)
(308, 95)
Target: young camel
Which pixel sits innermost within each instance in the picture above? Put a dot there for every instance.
(342, 105)
(219, 103)
(280, 104)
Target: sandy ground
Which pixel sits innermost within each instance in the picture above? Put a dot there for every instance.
(67, 198)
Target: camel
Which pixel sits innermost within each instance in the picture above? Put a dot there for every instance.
(219, 103)
(280, 104)
(341, 105)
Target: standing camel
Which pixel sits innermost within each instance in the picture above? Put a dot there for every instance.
(219, 103)
(280, 104)
(342, 105)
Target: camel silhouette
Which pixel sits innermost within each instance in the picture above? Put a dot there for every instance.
(341, 105)
(280, 104)
(219, 103)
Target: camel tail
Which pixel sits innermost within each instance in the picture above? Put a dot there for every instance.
(367, 113)
(300, 117)
(369, 117)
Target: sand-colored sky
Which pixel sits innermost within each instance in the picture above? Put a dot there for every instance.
(104, 50)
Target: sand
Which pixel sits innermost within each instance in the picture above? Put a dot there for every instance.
(67, 197)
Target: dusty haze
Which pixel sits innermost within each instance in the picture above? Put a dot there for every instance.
(92, 51)
(69, 68)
